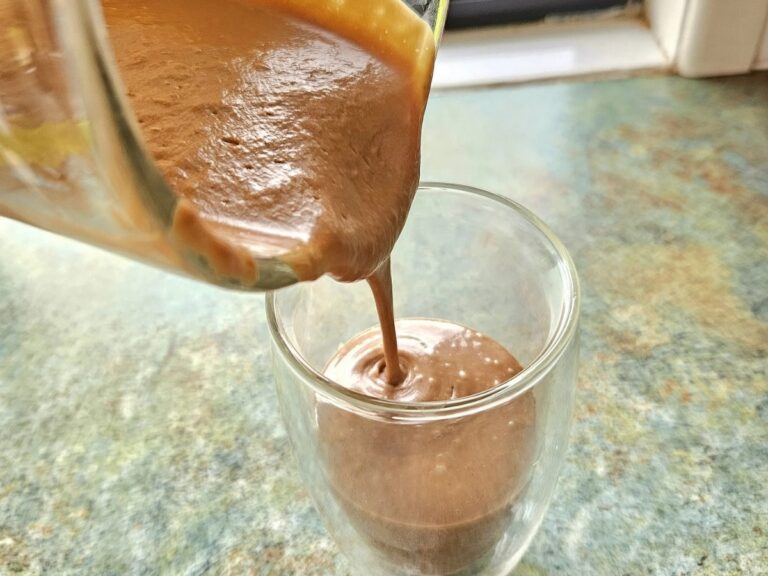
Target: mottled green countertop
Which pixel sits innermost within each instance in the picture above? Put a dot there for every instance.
(139, 431)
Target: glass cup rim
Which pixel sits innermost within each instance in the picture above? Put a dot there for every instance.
(557, 343)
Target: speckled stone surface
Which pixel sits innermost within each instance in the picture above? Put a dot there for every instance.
(139, 430)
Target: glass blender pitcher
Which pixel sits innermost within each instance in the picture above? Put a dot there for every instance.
(72, 158)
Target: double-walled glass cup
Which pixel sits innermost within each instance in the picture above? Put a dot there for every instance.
(487, 263)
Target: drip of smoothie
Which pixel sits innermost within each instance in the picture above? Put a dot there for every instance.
(380, 283)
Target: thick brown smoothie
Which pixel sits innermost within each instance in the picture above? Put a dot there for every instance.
(288, 128)
(435, 496)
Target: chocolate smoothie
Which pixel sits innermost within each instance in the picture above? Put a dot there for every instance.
(436, 496)
(290, 129)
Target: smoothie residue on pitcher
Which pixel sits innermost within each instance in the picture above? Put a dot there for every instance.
(288, 129)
